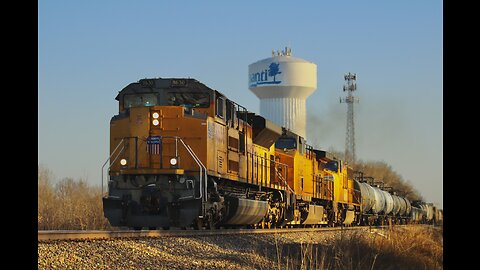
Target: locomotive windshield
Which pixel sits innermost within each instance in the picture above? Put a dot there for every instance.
(332, 166)
(288, 143)
(140, 100)
(189, 99)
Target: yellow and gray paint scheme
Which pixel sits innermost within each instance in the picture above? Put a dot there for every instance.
(183, 154)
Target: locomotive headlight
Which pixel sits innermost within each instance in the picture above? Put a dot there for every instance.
(155, 116)
(123, 162)
(173, 161)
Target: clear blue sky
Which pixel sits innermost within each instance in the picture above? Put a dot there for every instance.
(90, 50)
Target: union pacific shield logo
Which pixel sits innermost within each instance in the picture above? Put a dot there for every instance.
(153, 145)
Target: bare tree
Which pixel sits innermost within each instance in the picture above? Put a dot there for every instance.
(46, 199)
(381, 171)
(70, 205)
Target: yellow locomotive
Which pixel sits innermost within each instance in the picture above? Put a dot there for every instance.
(183, 154)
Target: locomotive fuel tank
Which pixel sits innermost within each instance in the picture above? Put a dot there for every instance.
(349, 217)
(315, 215)
(244, 211)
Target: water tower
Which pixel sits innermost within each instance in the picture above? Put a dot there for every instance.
(283, 83)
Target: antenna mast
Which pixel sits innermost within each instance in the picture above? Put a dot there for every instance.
(350, 86)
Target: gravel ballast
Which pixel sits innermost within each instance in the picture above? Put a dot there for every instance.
(256, 251)
(413, 248)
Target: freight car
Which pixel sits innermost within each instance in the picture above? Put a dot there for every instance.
(184, 155)
(380, 206)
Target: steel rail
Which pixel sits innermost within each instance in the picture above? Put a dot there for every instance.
(66, 235)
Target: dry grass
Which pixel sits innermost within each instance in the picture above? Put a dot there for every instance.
(418, 247)
(413, 247)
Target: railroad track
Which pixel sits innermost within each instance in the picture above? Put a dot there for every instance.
(44, 236)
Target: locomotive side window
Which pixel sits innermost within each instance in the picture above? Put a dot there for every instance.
(140, 100)
(288, 143)
(230, 111)
(332, 166)
(220, 104)
(186, 99)
(242, 142)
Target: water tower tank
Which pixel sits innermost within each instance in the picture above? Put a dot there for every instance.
(283, 83)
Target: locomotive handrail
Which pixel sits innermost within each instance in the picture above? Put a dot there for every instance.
(108, 159)
(281, 176)
(204, 171)
(200, 165)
